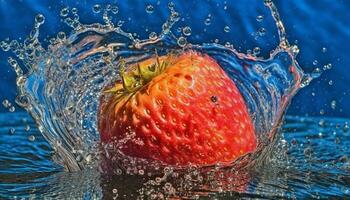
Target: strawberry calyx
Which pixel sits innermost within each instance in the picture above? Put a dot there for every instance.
(136, 76)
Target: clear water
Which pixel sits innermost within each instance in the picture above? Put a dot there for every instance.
(59, 86)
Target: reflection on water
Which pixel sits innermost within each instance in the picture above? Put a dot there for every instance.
(309, 161)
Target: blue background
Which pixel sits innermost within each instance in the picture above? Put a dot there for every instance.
(314, 24)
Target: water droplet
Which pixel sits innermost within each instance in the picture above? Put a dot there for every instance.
(120, 23)
(6, 103)
(78, 158)
(262, 31)
(182, 41)
(187, 31)
(74, 10)
(207, 21)
(267, 2)
(27, 127)
(152, 36)
(227, 29)
(346, 127)
(115, 191)
(31, 138)
(64, 12)
(228, 45)
(333, 104)
(61, 35)
(158, 179)
(119, 172)
(321, 123)
(114, 9)
(12, 109)
(295, 49)
(12, 131)
(256, 51)
(171, 5)
(321, 112)
(259, 18)
(4, 46)
(294, 142)
(316, 72)
(327, 66)
(96, 8)
(175, 16)
(39, 19)
(308, 152)
(88, 158)
(149, 9)
(141, 172)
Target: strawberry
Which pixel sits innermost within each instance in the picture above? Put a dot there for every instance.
(178, 109)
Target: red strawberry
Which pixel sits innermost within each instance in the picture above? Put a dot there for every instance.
(180, 109)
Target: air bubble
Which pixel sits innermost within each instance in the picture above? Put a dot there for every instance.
(330, 82)
(96, 8)
(182, 41)
(187, 31)
(149, 9)
(324, 50)
(315, 62)
(115, 191)
(227, 29)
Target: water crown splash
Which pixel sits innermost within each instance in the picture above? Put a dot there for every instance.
(62, 83)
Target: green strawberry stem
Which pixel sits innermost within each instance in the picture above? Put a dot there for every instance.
(138, 76)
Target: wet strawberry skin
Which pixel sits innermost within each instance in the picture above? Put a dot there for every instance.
(191, 113)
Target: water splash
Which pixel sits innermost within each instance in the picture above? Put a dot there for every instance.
(60, 86)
